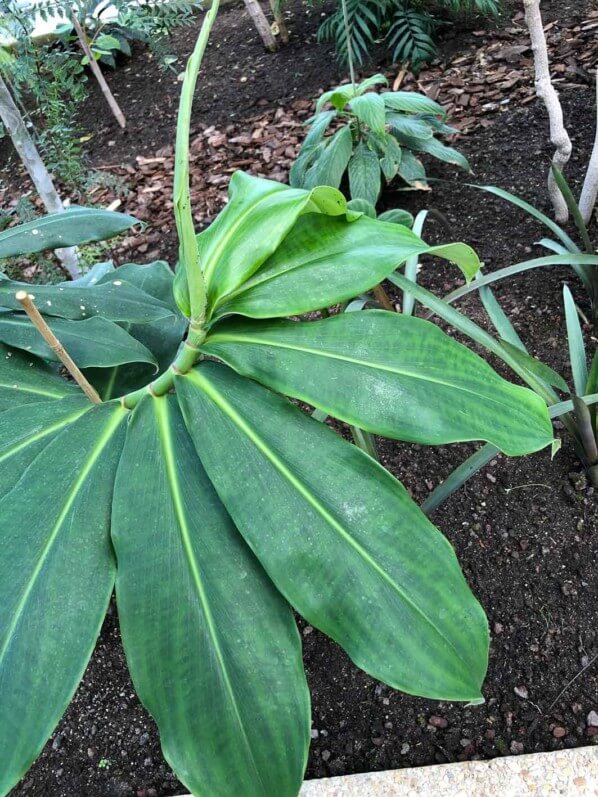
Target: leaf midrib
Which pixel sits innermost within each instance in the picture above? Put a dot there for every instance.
(33, 438)
(206, 386)
(114, 421)
(354, 361)
(167, 446)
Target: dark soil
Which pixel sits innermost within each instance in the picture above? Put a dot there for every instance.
(526, 530)
(238, 79)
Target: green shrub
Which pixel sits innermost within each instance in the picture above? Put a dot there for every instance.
(406, 27)
(376, 137)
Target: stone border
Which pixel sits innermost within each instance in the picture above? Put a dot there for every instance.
(566, 773)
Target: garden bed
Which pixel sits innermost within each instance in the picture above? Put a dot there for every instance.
(525, 531)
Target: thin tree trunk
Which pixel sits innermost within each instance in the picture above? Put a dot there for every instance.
(546, 91)
(32, 161)
(261, 23)
(276, 6)
(589, 192)
(114, 106)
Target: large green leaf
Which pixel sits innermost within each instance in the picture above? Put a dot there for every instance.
(411, 102)
(331, 164)
(72, 227)
(390, 374)
(325, 260)
(56, 578)
(94, 342)
(114, 300)
(319, 125)
(339, 536)
(25, 380)
(258, 216)
(26, 430)
(212, 646)
(162, 338)
(364, 174)
(401, 123)
(369, 109)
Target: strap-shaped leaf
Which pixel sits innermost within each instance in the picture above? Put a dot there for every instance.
(25, 380)
(94, 342)
(114, 300)
(324, 261)
(72, 227)
(211, 644)
(162, 338)
(258, 216)
(339, 536)
(390, 374)
(56, 577)
(26, 430)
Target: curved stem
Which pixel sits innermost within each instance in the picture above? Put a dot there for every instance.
(188, 252)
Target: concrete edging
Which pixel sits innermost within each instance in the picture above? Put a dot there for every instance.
(567, 773)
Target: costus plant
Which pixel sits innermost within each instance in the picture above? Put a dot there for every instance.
(376, 138)
(176, 470)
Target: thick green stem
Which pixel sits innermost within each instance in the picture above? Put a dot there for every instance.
(188, 252)
(186, 358)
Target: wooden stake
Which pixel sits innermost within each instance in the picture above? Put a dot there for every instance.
(37, 320)
(93, 64)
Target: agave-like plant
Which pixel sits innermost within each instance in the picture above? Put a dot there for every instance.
(213, 503)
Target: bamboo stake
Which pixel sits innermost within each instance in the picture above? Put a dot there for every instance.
(114, 106)
(37, 320)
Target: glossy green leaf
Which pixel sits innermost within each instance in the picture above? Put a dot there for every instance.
(114, 300)
(26, 430)
(259, 214)
(339, 536)
(325, 260)
(56, 578)
(94, 342)
(26, 380)
(162, 338)
(374, 80)
(369, 109)
(390, 374)
(364, 174)
(72, 227)
(331, 163)
(411, 102)
(193, 602)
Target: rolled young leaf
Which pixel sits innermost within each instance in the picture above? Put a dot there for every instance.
(72, 227)
(26, 380)
(212, 646)
(94, 342)
(339, 536)
(114, 300)
(389, 374)
(56, 578)
(325, 260)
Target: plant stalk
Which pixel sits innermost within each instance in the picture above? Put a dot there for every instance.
(349, 44)
(186, 358)
(188, 251)
(39, 323)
